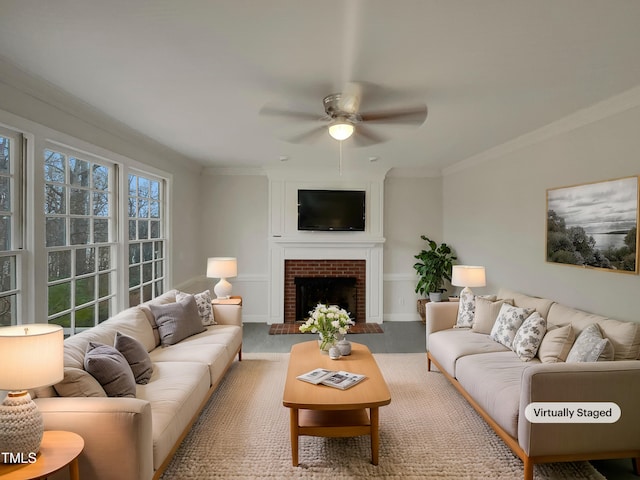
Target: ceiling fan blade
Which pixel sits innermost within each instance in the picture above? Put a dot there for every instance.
(407, 116)
(364, 137)
(311, 136)
(280, 112)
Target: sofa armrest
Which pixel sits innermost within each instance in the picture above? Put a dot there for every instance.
(228, 314)
(117, 434)
(440, 316)
(617, 382)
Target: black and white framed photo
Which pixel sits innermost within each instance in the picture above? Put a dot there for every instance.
(595, 225)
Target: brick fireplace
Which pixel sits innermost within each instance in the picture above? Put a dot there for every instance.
(328, 269)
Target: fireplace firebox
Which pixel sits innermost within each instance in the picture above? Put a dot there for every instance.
(340, 291)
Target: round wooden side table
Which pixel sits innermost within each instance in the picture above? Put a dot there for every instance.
(57, 450)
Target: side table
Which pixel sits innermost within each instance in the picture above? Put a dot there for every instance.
(58, 450)
(232, 300)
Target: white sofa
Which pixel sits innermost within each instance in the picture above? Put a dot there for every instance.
(135, 438)
(499, 385)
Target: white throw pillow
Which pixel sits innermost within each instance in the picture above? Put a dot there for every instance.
(507, 324)
(529, 336)
(203, 301)
(590, 346)
(486, 314)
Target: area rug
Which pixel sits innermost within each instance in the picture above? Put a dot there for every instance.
(427, 432)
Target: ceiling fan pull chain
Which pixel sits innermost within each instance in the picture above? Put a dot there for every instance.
(340, 169)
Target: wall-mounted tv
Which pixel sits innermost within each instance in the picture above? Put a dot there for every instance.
(331, 210)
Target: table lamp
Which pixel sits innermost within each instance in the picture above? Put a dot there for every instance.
(468, 276)
(31, 356)
(222, 268)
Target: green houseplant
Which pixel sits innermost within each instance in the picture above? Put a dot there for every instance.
(433, 268)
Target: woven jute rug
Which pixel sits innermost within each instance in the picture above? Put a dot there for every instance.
(428, 431)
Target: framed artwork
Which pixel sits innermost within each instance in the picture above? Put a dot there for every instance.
(595, 225)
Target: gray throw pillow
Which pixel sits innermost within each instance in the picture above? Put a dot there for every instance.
(137, 357)
(110, 368)
(177, 321)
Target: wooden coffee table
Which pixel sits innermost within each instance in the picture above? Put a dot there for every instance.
(322, 411)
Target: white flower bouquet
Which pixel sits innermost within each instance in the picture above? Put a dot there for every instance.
(328, 321)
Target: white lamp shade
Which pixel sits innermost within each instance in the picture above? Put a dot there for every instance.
(341, 129)
(222, 267)
(31, 356)
(468, 276)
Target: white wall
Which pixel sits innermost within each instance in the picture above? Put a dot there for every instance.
(495, 212)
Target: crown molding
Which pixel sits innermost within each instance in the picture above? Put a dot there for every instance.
(599, 111)
(234, 171)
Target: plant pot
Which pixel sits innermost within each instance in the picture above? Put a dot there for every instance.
(422, 308)
(435, 296)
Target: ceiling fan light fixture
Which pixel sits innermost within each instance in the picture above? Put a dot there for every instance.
(341, 129)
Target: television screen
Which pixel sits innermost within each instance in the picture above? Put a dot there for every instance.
(331, 210)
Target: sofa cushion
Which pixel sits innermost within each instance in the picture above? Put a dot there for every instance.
(529, 336)
(447, 346)
(624, 336)
(590, 346)
(111, 369)
(177, 321)
(216, 357)
(136, 356)
(556, 344)
(540, 305)
(493, 381)
(507, 324)
(79, 383)
(205, 309)
(486, 312)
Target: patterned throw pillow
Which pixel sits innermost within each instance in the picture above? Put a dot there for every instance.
(203, 300)
(590, 346)
(529, 336)
(507, 324)
(467, 308)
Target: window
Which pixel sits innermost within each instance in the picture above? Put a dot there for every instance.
(11, 225)
(147, 240)
(80, 233)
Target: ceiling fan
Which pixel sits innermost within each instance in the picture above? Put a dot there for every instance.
(344, 120)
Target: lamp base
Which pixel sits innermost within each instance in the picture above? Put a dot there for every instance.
(21, 428)
(222, 288)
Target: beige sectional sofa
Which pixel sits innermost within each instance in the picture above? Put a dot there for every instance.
(135, 438)
(500, 385)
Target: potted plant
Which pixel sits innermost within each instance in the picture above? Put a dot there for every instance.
(433, 267)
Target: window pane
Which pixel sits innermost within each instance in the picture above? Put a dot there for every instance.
(100, 177)
(7, 273)
(5, 233)
(79, 231)
(134, 253)
(147, 272)
(154, 209)
(79, 202)
(158, 250)
(147, 293)
(85, 261)
(104, 258)
(55, 199)
(104, 285)
(155, 229)
(100, 204)
(155, 190)
(78, 172)
(159, 269)
(103, 311)
(143, 229)
(133, 207)
(134, 276)
(56, 232)
(100, 231)
(143, 187)
(59, 265)
(133, 185)
(147, 251)
(5, 194)
(159, 287)
(64, 321)
(85, 290)
(59, 297)
(85, 317)
(132, 230)
(54, 166)
(5, 160)
(7, 310)
(143, 208)
(134, 297)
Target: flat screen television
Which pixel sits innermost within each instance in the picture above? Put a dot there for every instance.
(331, 210)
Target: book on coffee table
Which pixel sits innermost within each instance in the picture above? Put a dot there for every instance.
(331, 378)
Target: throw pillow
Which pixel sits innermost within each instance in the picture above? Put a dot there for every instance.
(556, 344)
(467, 306)
(205, 309)
(486, 314)
(136, 356)
(529, 336)
(590, 346)
(507, 324)
(78, 383)
(110, 368)
(177, 321)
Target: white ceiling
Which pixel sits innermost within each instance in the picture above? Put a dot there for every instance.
(193, 75)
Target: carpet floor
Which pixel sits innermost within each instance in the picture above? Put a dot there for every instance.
(428, 431)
